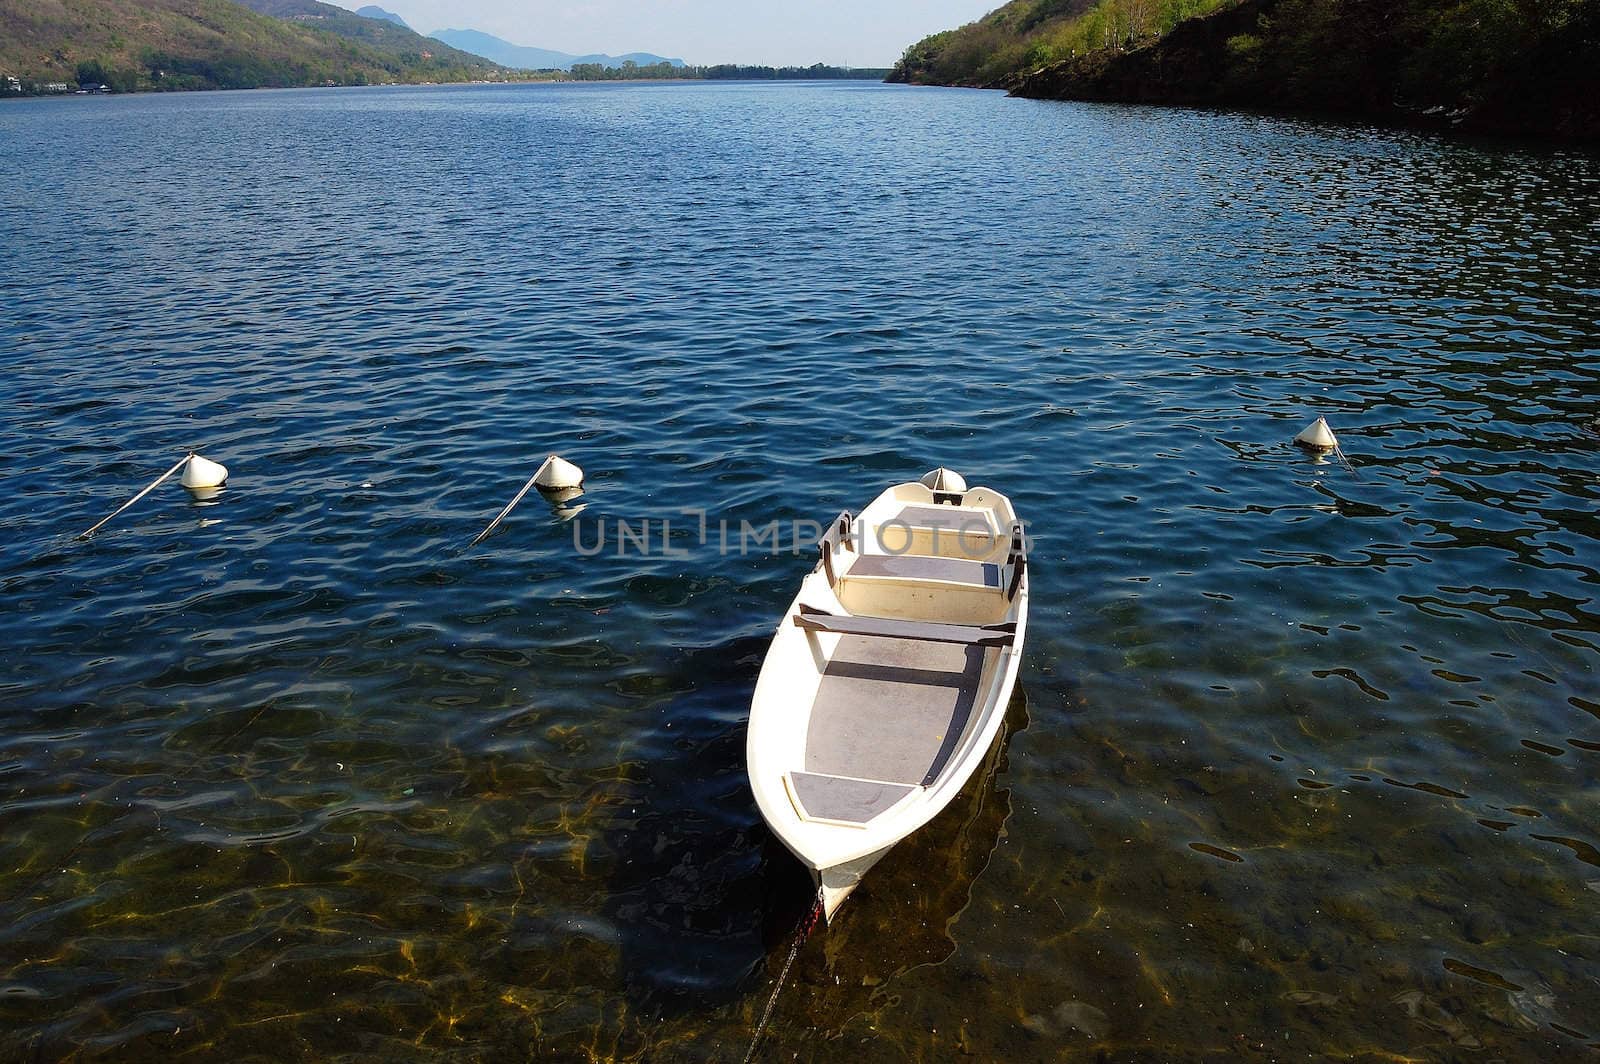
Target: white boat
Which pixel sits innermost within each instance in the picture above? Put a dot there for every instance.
(888, 678)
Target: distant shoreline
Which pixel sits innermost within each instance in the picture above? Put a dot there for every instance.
(76, 95)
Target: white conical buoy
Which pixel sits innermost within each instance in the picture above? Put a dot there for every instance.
(946, 480)
(557, 480)
(557, 474)
(1317, 436)
(201, 473)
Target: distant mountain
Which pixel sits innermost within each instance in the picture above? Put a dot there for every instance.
(133, 45)
(641, 58)
(392, 38)
(373, 11)
(525, 58)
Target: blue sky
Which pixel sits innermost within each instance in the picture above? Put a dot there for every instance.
(773, 32)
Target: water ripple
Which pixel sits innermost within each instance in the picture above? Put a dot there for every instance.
(297, 772)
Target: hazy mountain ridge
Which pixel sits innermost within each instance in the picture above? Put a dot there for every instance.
(390, 36)
(526, 57)
(373, 11)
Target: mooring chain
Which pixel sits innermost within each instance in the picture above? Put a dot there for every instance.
(808, 923)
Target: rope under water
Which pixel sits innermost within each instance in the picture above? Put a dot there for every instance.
(1350, 468)
(808, 923)
(151, 487)
(502, 515)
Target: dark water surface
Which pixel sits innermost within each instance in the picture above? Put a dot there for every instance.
(1308, 760)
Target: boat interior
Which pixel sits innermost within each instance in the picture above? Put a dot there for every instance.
(925, 583)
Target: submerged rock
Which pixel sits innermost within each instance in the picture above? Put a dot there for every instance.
(1067, 1017)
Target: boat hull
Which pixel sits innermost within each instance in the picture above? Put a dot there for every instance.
(837, 883)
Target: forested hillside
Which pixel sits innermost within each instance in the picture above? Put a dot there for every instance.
(1025, 35)
(1520, 67)
(132, 45)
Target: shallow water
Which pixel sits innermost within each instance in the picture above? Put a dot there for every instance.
(1306, 764)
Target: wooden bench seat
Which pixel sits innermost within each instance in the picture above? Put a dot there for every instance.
(987, 635)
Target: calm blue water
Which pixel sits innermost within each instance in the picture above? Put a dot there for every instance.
(1308, 760)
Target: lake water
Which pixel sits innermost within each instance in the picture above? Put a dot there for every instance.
(1307, 760)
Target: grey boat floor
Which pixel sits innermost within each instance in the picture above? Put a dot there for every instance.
(892, 709)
